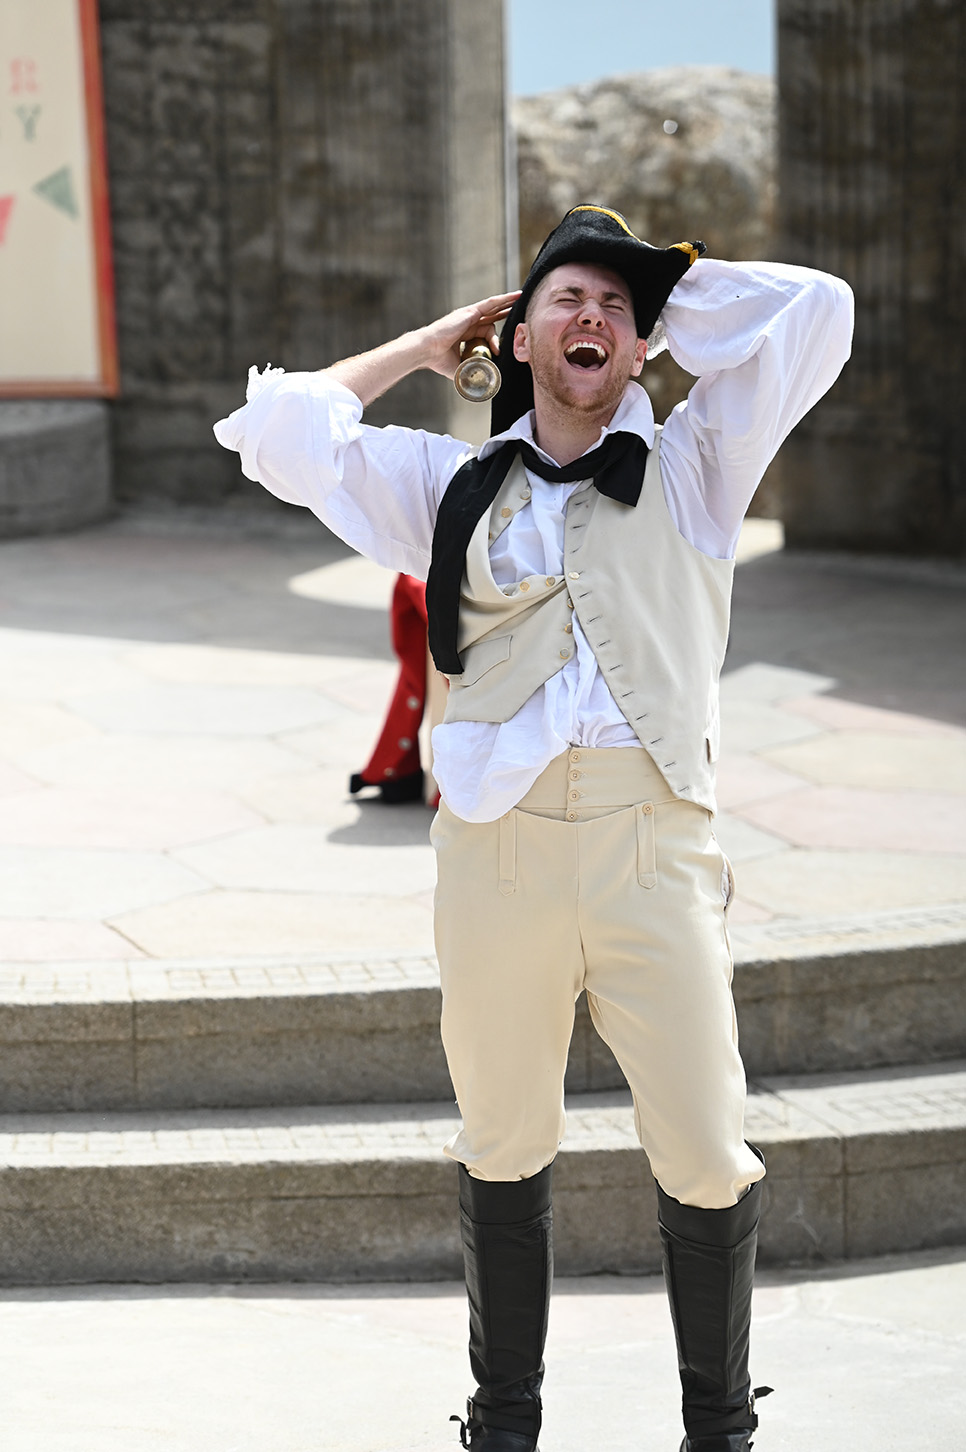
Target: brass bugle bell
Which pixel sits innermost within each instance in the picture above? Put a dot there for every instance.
(477, 378)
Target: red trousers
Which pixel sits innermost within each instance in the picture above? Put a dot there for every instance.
(396, 753)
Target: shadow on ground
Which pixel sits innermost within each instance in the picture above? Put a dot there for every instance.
(889, 632)
(147, 579)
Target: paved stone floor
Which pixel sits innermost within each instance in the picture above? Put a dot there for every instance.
(866, 1356)
(182, 699)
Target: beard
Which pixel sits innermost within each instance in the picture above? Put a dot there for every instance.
(566, 389)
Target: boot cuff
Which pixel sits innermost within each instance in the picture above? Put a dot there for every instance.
(505, 1202)
(722, 1228)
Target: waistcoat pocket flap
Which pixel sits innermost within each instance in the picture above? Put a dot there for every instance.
(482, 657)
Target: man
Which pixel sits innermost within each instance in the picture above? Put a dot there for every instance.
(579, 578)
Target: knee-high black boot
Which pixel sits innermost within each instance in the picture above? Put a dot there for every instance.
(709, 1266)
(508, 1258)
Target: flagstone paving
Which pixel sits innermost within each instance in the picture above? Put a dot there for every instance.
(182, 700)
(867, 1355)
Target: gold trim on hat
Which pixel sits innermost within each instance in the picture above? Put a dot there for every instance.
(689, 248)
(606, 211)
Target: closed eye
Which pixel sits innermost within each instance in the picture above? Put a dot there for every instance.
(611, 300)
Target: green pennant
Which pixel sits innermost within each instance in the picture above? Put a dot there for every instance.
(58, 189)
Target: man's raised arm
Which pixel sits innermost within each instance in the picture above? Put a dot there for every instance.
(301, 436)
(435, 347)
(766, 341)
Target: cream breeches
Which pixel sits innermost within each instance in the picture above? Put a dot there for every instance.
(601, 880)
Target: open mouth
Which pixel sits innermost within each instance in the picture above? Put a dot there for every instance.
(585, 353)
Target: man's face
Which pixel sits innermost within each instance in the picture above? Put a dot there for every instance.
(580, 338)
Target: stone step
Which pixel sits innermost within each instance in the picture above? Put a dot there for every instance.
(858, 1164)
(842, 995)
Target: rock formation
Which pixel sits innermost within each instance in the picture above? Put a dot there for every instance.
(682, 152)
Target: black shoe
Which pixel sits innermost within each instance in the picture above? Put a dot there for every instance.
(724, 1442)
(393, 790)
(506, 1230)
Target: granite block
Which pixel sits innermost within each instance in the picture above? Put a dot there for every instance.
(337, 1049)
(908, 1206)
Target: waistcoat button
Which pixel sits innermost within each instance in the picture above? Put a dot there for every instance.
(506, 513)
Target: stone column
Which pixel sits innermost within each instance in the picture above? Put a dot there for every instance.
(292, 181)
(872, 145)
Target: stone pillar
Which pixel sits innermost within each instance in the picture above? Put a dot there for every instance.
(480, 229)
(872, 143)
(292, 181)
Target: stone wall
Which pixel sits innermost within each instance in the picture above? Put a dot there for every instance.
(291, 181)
(872, 145)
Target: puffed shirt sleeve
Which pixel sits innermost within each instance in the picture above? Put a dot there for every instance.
(766, 340)
(301, 435)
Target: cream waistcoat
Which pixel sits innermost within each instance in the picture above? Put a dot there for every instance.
(655, 610)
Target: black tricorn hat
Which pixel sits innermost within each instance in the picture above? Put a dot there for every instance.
(602, 236)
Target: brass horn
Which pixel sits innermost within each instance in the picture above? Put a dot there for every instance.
(477, 378)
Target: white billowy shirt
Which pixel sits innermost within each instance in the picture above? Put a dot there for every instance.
(765, 342)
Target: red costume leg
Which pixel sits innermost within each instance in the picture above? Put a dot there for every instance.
(394, 766)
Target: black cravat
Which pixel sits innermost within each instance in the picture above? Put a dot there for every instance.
(616, 466)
